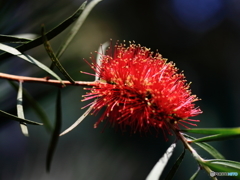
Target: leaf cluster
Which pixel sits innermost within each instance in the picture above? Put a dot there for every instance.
(24, 44)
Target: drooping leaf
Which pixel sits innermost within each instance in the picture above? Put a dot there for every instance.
(53, 57)
(76, 27)
(50, 34)
(77, 122)
(160, 165)
(13, 117)
(28, 58)
(175, 166)
(20, 111)
(207, 147)
(56, 132)
(36, 107)
(195, 174)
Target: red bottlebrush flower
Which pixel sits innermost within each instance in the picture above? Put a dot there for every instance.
(140, 89)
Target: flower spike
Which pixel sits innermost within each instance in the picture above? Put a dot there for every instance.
(140, 89)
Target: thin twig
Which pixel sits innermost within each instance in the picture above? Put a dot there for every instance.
(46, 80)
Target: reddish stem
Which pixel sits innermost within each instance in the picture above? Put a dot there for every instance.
(45, 80)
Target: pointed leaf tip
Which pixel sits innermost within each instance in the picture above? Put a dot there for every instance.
(160, 165)
(174, 169)
(55, 134)
(20, 111)
(78, 121)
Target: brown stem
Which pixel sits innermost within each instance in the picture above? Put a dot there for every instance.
(46, 80)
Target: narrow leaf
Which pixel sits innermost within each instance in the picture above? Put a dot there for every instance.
(159, 167)
(232, 168)
(50, 34)
(53, 57)
(224, 162)
(13, 117)
(175, 166)
(20, 112)
(13, 39)
(195, 174)
(77, 122)
(217, 137)
(207, 147)
(36, 107)
(56, 132)
(212, 131)
(76, 27)
(101, 51)
(28, 58)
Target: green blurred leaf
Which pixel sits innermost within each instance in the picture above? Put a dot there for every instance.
(160, 165)
(50, 34)
(76, 27)
(28, 58)
(217, 137)
(195, 174)
(224, 162)
(217, 134)
(13, 39)
(36, 107)
(207, 147)
(53, 57)
(20, 112)
(175, 166)
(227, 131)
(220, 165)
(13, 117)
(56, 132)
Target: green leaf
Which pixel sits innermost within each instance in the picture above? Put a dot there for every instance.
(13, 39)
(207, 147)
(160, 165)
(76, 27)
(217, 137)
(53, 57)
(56, 132)
(50, 34)
(175, 166)
(20, 112)
(195, 174)
(217, 134)
(28, 58)
(220, 165)
(36, 107)
(209, 131)
(13, 117)
(224, 162)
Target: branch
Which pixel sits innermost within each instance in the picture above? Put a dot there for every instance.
(46, 80)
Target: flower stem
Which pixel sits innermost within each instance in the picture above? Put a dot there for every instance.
(46, 80)
(194, 153)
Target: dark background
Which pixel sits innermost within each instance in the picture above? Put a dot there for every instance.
(202, 37)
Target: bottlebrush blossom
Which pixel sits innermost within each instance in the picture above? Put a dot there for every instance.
(140, 89)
